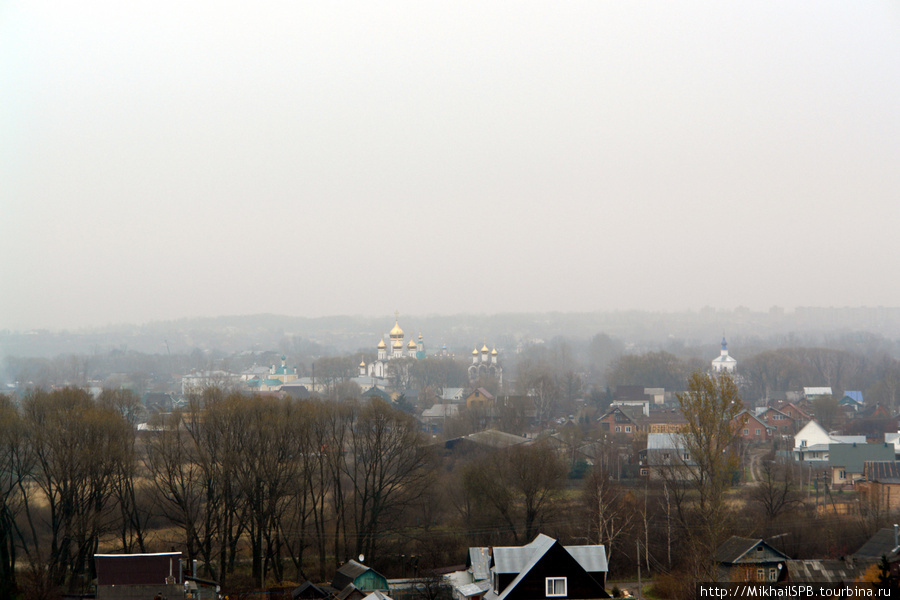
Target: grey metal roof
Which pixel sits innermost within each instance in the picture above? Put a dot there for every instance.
(825, 571)
(346, 591)
(441, 410)
(538, 547)
(848, 439)
(664, 441)
(495, 438)
(472, 589)
(347, 574)
(591, 558)
(512, 559)
(308, 590)
(882, 543)
(480, 562)
(521, 559)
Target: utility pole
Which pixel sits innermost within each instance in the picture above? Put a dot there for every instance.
(817, 495)
(637, 547)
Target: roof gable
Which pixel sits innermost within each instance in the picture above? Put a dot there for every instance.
(741, 549)
(546, 557)
(745, 416)
(635, 414)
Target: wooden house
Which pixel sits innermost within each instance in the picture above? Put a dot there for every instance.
(546, 569)
(747, 559)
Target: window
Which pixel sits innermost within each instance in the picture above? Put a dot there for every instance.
(746, 432)
(686, 456)
(760, 574)
(618, 428)
(757, 431)
(556, 586)
(627, 429)
(803, 443)
(843, 474)
(773, 574)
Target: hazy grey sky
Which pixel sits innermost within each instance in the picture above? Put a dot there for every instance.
(167, 159)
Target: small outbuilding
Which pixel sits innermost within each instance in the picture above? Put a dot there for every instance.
(362, 577)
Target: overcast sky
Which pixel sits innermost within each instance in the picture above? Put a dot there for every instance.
(165, 159)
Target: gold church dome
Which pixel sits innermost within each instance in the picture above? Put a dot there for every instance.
(396, 331)
(485, 348)
(411, 345)
(382, 345)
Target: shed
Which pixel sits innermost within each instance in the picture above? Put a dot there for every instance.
(362, 577)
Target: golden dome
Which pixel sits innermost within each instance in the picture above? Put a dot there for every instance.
(396, 331)
(411, 345)
(382, 345)
(397, 345)
(494, 352)
(485, 348)
(362, 363)
(474, 351)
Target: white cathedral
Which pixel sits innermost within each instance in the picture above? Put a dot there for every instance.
(379, 367)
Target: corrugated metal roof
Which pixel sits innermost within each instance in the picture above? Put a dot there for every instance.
(664, 441)
(472, 589)
(538, 547)
(848, 439)
(824, 571)
(515, 559)
(591, 558)
(882, 470)
(495, 438)
(347, 574)
(480, 561)
(817, 391)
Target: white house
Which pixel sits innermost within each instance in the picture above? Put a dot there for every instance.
(812, 441)
(811, 393)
